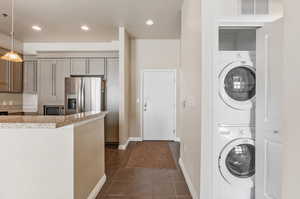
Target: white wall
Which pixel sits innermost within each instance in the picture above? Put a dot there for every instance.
(291, 99)
(149, 54)
(191, 93)
(33, 160)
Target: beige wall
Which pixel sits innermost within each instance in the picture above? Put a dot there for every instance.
(190, 90)
(5, 42)
(88, 147)
(124, 53)
(148, 54)
(291, 100)
(10, 99)
(11, 102)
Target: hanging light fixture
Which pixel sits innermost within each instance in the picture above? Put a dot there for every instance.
(12, 56)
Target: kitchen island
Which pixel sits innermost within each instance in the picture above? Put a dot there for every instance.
(49, 157)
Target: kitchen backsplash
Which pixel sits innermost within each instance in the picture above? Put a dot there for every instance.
(11, 102)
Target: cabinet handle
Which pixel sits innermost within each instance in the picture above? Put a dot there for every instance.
(266, 77)
(35, 76)
(105, 67)
(52, 79)
(87, 66)
(9, 78)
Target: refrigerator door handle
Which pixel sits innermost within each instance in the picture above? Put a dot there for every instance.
(79, 99)
(82, 96)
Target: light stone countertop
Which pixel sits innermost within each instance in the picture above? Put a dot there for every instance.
(38, 121)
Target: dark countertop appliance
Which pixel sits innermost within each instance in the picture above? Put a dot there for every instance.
(54, 110)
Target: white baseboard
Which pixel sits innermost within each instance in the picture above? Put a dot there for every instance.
(177, 139)
(188, 180)
(135, 139)
(97, 188)
(124, 146)
(131, 139)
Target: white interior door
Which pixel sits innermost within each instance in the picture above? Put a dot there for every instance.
(268, 134)
(159, 104)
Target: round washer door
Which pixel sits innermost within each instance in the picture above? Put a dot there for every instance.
(238, 85)
(237, 162)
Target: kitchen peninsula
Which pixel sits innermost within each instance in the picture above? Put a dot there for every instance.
(50, 157)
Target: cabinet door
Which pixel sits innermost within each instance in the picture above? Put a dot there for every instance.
(4, 76)
(112, 101)
(46, 91)
(268, 111)
(30, 77)
(78, 66)
(16, 77)
(96, 66)
(62, 70)
(4, 73)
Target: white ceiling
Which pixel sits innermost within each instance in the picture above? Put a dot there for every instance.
(61, 19)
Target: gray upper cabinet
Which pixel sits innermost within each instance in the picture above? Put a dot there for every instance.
(78, 66)
(52, 74)
(30, 77)
(46, 92)
(96, 66)
(87, 66)
(51, 84)
(62, 70)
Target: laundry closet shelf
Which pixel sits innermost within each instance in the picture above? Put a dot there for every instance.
(246, 21)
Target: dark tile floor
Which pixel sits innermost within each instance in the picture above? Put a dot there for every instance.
(141, 183)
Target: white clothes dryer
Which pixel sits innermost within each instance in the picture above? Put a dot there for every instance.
(235, 162)
(235, 88)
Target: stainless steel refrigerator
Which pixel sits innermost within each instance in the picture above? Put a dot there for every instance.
(84, 94)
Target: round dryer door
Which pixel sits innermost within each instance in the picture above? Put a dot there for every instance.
(238, 85)
(237, 162)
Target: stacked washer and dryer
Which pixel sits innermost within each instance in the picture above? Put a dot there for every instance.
(234, 116)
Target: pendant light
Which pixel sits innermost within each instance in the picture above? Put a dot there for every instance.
(12, 56)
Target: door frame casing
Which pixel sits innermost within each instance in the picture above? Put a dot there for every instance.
(143, 71)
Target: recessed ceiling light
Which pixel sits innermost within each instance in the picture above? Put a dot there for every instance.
(37, 28)
(85, 28)
(149, 22)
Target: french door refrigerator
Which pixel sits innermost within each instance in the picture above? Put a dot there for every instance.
(84, 94)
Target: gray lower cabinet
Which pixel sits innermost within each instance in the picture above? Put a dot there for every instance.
(51, 86)
(30, 77)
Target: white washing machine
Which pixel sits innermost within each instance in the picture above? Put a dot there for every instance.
(235, 162)
(235, 88)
